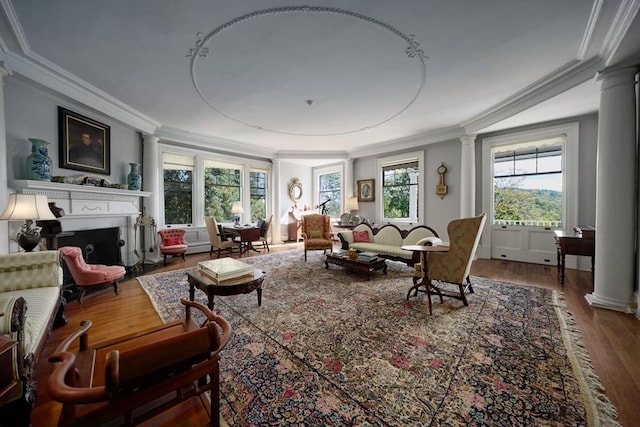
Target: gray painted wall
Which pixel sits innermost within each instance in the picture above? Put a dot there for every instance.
(438, 212)
(32, 112)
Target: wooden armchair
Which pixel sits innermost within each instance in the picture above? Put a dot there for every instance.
(454, 266)
(219, 241)
(134, 378)
(316, 231)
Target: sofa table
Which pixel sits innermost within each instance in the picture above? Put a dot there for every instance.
(343, 260)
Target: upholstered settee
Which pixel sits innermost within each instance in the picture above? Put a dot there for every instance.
(31, 300)
(388, 240)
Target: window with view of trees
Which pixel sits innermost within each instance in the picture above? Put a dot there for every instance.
(258, 196)
(329, 189)
(400, 191)
(177, 172)
(528, 184)
(221, 188)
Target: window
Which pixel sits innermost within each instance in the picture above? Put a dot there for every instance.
(528, 183)
(177, 173)
(258, 194)
(329, 191)
(221, 188)
(400, 191)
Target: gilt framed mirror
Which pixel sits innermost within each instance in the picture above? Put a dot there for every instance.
(295, 190)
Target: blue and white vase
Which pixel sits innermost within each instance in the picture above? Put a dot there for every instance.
(38, 162)
(134, 180)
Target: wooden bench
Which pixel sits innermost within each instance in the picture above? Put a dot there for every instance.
(136, 377)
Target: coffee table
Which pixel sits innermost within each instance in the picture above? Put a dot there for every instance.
(240, 285)
(343, 260)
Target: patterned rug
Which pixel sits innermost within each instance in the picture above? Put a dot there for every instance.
(329, 348)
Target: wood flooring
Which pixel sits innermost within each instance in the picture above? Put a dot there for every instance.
(612, 338)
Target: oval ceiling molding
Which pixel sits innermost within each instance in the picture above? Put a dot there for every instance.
(275, 76)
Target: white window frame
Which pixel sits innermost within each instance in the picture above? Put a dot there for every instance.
(324, 170)
(570, 171)
(394, 160)
(198, 180)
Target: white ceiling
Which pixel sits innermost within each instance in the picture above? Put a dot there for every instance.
(486, 65)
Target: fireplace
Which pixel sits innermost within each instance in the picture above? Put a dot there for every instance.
(86, 208)
(99, 246)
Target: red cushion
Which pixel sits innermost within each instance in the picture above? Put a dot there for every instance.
(360, 236)
(172, 241)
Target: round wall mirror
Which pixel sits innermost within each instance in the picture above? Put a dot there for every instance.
(295, 190)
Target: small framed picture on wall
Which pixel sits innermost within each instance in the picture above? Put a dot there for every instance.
(85, 144)
(366, 190)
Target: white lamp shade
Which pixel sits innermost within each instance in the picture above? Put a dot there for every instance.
(27, 206)
(237, 208)
(352, 204)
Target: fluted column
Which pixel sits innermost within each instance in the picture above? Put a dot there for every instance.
(276, 188)
(468, 176)
(4, 191)
(615, 192)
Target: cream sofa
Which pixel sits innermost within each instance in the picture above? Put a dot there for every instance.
(31, 300)
(388, 240)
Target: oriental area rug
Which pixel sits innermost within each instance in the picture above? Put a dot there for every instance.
(329, 348)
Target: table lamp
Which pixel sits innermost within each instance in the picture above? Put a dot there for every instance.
(27, 207)
(237, 210)
(352, 204)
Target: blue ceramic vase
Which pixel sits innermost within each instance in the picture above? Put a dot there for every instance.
(134, 180)
(38, 162)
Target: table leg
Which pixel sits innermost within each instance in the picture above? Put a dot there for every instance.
(259, 291)
(210, 303)
(562, 269)
(192, 290)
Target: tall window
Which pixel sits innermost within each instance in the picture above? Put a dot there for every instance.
(177, 170)
(258, 195)
(528, 183)
(329, 191)
(221, 188)
(400, 191)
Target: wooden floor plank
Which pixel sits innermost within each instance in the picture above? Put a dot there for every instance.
(611, 338)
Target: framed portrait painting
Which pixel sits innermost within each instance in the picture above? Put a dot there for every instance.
(366, 190)
(85, 144)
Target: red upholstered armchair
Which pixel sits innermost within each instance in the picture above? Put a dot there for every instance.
(90, 274)
(172, 243)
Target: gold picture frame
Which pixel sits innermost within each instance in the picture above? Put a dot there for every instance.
(366, 190)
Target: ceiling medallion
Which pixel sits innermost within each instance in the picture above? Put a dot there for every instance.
(412, 50)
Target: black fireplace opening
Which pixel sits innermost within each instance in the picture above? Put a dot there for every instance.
(99, 246)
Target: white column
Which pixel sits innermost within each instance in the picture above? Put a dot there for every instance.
(348, 178)
(4, 191)
(468, 176)
(615, 192)
(276, 222)
(151, 169)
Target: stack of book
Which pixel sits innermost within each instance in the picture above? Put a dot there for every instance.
(223, 269)
(367, 256)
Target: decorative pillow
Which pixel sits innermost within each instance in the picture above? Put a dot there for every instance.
(361, 236)
(172, 241)
(315, 234)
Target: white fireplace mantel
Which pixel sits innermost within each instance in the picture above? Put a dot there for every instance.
(87, 207)
(84, 200)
